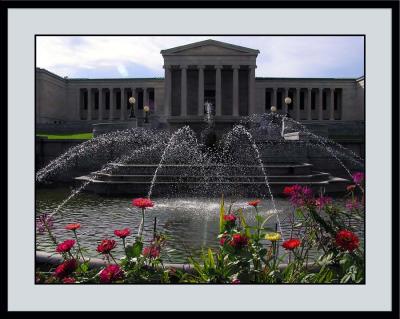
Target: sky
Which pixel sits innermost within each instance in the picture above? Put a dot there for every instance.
(139, 56)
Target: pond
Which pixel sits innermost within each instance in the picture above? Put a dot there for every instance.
(188, 223)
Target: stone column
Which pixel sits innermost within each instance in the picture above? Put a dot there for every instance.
(101, 105)
(183, 90)
(309, 92)
(112, 104)
(89, 104)
(167, 90)
(332, 105)
(235, 90)
(123, 104)
(285, 106)
(135, 95)
(275, 97)
(78, 104)
(320, 110)
(154, 101)
(297, 104)
(200, 107)
(252, 88)
(218, 105)
(145, 97)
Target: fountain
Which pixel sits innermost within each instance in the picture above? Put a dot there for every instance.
(271, 149)
(187, 173)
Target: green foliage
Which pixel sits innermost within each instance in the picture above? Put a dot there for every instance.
(133, 251)
(76, 136)
(221, 215)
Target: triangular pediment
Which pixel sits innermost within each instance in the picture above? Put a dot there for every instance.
(209, 47)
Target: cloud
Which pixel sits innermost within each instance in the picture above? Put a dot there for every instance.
(130, 56)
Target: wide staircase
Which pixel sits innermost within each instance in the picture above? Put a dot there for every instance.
(200, 180)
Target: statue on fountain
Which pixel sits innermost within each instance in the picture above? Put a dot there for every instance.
(208, 135)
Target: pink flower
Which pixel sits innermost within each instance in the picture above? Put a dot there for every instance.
(299, 196)
(358, 177)
(236, 281)
(65, 246)
(43, 221)
(111, 273)
(122, 233)
(322, 201)
(142, 202)
(151, 252)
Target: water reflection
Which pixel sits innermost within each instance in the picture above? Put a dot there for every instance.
(189, 224)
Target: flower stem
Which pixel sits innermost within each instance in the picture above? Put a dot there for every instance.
(123, 243)
(113, 258)
(79, 246)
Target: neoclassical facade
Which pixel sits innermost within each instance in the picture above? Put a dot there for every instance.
(213, 71)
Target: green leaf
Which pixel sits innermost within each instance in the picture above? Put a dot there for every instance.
(211, 261)
(299, 213)
(83, 267)
(133, 251)
(244, 224)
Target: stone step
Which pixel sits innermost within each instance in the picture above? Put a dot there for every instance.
(169, 169)
(317, 176)
(163, 188)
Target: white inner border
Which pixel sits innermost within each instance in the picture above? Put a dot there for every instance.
(23, 24)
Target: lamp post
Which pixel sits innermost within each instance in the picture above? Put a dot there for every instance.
(288, 101)
(132, 103)
(146, 110)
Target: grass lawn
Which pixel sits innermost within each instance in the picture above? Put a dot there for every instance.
(75, 136)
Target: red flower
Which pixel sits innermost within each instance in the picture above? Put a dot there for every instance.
(106, 246)
(65, 246)
(122, 233)
(291, 244)
(142, 202)
(69, 280)
(236, 281)
(65, 269)
(73, 226)
(351, 188)
(230, 218)
(254, 203)
(111, 273)
(151, 252)
(223, 239)
(347, 240)
(288, 190)
(239, 241)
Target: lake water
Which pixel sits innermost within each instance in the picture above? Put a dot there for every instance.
(188, 223)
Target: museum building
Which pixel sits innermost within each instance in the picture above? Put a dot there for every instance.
(207, 71)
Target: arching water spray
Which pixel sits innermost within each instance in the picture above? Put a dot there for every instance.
(184, 130)
(239, 129)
